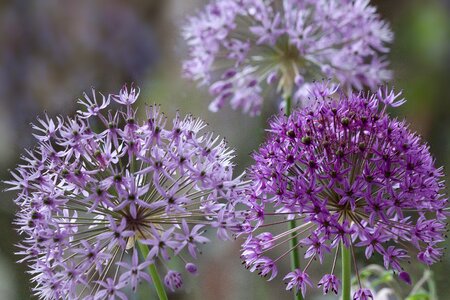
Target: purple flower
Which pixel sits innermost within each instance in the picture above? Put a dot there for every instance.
(160, 244)
(173, 280)
(298, 280)
(265, 266)
(329, 282)
(392, 257)
(110, 290)
(135, 271)
(91, 105)
(191, 237)
(127, 97)
(405, 277)
(191, 268)
(317, 246)
(98, 184)
(350, 175)
(243, 48)
(363, 294)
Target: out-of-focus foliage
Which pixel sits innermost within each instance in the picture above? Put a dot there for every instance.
(386, 286)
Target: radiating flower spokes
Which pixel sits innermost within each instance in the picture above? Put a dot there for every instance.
(99, 185)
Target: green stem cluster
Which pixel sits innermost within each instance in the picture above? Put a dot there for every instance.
(160, 290)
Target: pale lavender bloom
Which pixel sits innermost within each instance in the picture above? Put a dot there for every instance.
(136, 271)
(349, 175)
(173, 280)
(191, 238)
(243, 49)
(116, 235)
(110, 290)
(160, 244)
(88, 194)
(91, 105)
(48, 129)
(127, 97)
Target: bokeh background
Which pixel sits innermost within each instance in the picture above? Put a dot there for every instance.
(51, 51)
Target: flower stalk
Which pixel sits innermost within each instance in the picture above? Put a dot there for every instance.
(346, 272)
(295, 257)
(154, 274)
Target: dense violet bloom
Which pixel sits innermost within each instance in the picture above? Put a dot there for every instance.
(352, 177)
(241, 48)
(98, 184)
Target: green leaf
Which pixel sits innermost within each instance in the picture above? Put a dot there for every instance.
(386, 278)
(419, 296)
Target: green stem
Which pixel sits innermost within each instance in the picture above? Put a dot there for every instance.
(288, 102)
(295, 257)
(154, 273)
(346, 272)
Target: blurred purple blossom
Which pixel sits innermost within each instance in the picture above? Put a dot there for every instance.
(240, 48)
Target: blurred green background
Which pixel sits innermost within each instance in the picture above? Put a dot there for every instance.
(51, 51)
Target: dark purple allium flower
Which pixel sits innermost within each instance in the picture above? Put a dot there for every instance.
(240, 48)
(352, 176)
(99, 184)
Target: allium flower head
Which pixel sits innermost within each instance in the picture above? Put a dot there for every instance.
(240, 48)
(350, 175)
(98, 184)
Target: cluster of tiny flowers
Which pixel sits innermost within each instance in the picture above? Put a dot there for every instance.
(352, 177)
(241, 48)
(99, 185)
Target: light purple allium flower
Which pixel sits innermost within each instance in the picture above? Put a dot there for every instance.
(99, 183)
(240, 48)
(352, 176)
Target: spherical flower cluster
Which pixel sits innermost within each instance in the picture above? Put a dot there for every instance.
(99, 185)
(240, 48)
(350, 176)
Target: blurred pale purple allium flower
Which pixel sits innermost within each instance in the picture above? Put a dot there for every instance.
(241, 48)
(99, 183)
(351, 175)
